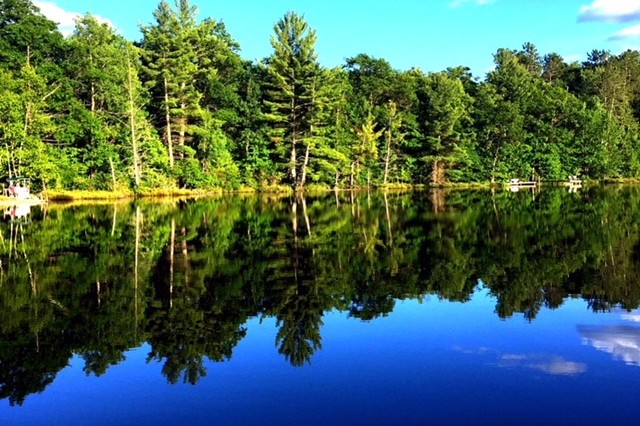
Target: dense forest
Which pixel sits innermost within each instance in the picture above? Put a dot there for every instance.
(181, 108)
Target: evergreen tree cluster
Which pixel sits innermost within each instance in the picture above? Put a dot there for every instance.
(181, 108)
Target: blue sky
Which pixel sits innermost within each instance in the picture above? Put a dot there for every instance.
(429, 34)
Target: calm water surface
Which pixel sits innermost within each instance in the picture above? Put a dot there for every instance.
(425, 308)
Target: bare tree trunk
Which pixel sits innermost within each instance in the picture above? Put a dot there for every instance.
(352, 178)
(303, 178)
(182, 125)
(185, 256)
(27, 117)
(113, 174)
(353, 204)
(294, 156)
(113, 224)
(167, 116)
(12, 241)
(495, 208)
(387, 156)
(386, 208)
(438, 174)
(132, 127)
(294, 220)
(135, 266)
(93, 97)
(292, 163)
(434, 173)
(306, 216)
(493, 166)
(93, 90)
(438, 199)
(32, 278)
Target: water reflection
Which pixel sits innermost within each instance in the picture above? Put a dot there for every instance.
(550, 364)
(633, 317)
(621, 341)
(17, 212)
(185, 277)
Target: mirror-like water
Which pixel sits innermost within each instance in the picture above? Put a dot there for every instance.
(444, 308)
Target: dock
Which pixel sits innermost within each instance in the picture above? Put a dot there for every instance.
(573, 183)
(519, 183)
(515, 184)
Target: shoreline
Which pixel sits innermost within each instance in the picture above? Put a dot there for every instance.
(64, 196)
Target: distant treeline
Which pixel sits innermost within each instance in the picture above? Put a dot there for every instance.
(181, 108)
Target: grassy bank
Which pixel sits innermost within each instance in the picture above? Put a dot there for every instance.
(58, 195)
(76, 195)
(85, 195)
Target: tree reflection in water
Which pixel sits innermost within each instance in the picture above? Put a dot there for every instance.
(186, 276)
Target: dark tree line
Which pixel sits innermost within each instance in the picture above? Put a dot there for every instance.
(181, 108)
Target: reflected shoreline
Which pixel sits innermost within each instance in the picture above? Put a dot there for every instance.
(186, 276)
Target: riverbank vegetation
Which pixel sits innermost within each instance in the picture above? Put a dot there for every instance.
(181, 109)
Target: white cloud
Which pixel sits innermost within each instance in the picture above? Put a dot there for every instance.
(610, 11)
(622, 342)
(629, 32)
(458, 3)
(64, 18)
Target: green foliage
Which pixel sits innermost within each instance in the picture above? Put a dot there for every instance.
(94, 111)
(27, 36)
(292, 99)
(216, 158)
(445, 107)
(365, 151)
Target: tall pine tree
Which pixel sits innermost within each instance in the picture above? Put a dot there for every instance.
(293, 72)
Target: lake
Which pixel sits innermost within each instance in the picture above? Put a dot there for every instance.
(473, 307)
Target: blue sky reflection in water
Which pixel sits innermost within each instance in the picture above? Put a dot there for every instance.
(427, 362)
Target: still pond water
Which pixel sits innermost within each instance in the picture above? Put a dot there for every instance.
(423, 308)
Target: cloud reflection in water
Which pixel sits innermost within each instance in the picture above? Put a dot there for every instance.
(546, 363)
(621, 341)
(550, 364)
(631, 317)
